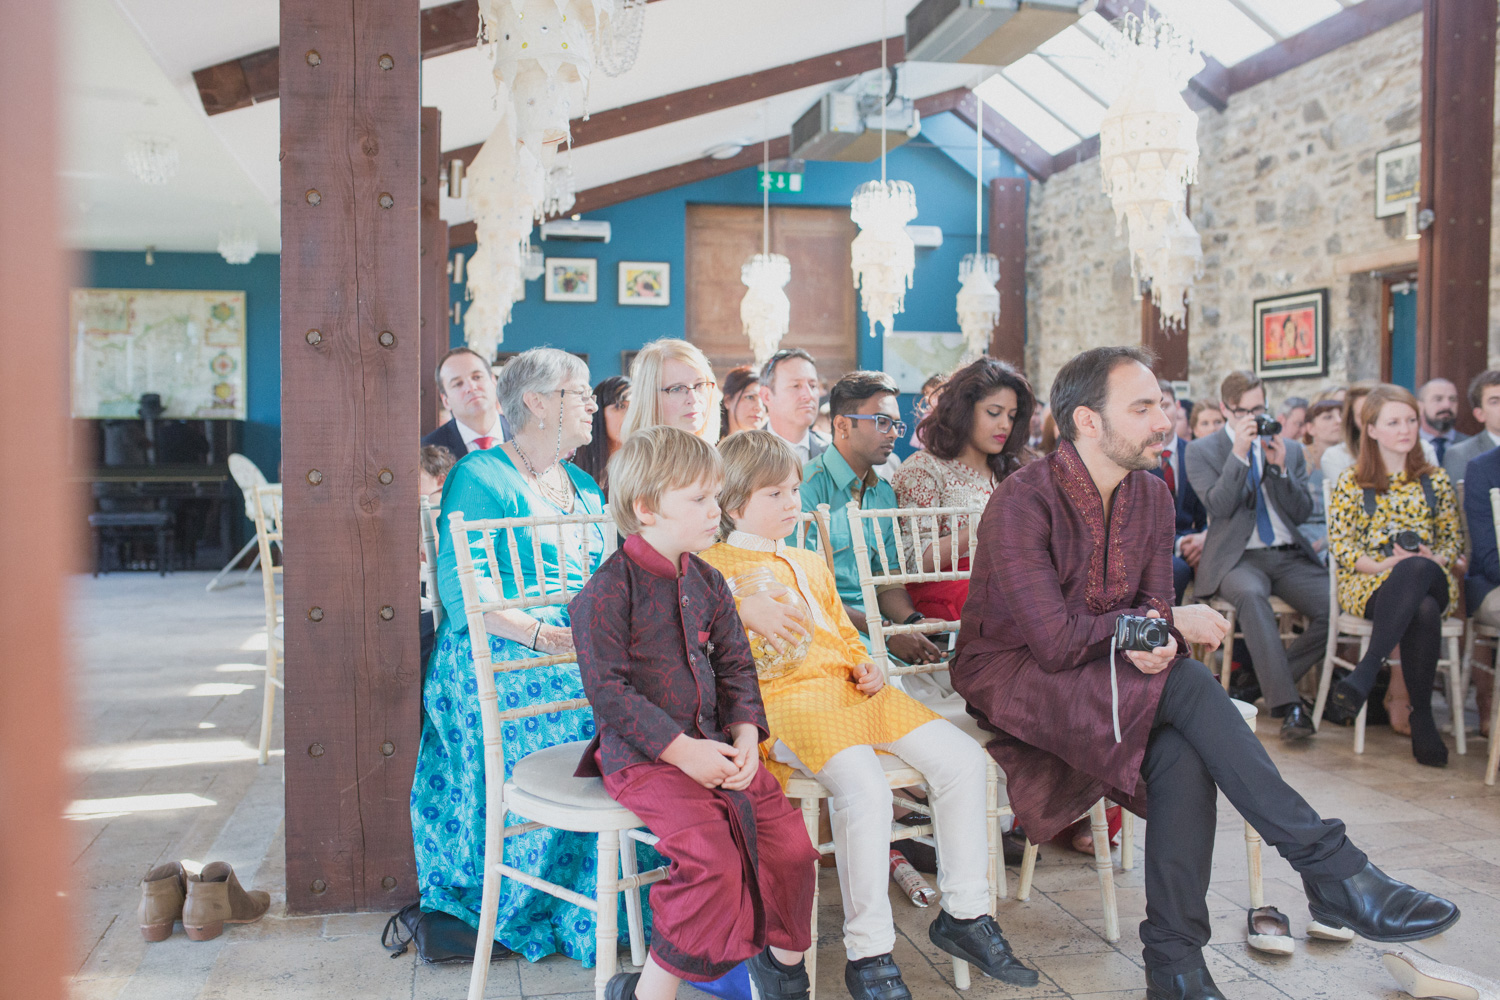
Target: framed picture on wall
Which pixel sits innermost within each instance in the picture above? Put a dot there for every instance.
(1398, 178)
(645, 283)
(627, 358)
(1291, 335)
(571, 279)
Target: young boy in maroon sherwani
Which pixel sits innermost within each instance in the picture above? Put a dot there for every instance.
(667, 667)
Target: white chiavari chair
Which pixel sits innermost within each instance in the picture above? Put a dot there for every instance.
(266, 511)
(1342, 625)
(429, 561)
(542, 789)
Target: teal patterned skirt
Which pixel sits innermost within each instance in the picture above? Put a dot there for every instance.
(448, 808)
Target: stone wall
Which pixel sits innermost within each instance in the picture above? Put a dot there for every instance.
(1286, 187)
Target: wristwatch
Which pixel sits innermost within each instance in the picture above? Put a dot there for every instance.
(916, 616)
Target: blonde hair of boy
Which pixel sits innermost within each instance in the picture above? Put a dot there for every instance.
(646, 385)
(753, 460)
(650, 463)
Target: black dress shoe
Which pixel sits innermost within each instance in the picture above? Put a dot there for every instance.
(1195, 985)
(1378, 908)
(875, 978)
(1297, 723)
(1344, 703)
(621, 986)
(770, 980)
(980, 943)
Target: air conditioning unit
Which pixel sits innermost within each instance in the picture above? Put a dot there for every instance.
(576, 231)
(925, 237)
(986, 32)
(842, 127)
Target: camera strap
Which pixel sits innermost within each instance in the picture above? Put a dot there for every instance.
(1114, 683)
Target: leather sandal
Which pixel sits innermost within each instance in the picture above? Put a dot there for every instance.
(1270, 931)
(215, 898)
(162, 893)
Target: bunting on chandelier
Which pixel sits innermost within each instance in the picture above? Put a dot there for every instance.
(1148, 154)
(978, 302)
(882, 255)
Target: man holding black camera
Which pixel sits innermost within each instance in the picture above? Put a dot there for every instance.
(1058, 656)
(1254, 485)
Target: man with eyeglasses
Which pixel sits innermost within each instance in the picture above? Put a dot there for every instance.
(789, 386)
(866, 424)
(1254, 487)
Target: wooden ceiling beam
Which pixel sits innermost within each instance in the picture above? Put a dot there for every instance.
(966, 106)
(668, 108)
(251, 79)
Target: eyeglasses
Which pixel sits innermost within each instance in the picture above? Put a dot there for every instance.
(681, 389)
(1252, 412)
(585, 396)
(883, 423)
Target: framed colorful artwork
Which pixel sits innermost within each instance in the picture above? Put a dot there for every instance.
(1291, 335)
(571, 279)
(645, 283)
(1398, 178)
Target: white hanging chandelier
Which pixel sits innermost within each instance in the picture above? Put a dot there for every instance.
(544, 57)
(1148, 154)
(151, 159)
(765, 311)
(978, 299)
(239, 246)
(883, 256)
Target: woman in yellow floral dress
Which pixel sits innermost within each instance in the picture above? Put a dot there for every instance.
(1395, 535)
(830, 714)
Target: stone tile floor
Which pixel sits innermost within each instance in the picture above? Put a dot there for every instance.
(168, 708)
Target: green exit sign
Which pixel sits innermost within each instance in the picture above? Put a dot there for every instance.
(780, 180)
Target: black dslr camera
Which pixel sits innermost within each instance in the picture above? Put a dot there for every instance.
(1140, 633)
(1407, 539)
(1267, 425)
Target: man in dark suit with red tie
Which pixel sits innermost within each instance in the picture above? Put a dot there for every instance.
(1192, 518)
(466, 385)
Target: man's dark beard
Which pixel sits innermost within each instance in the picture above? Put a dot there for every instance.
(1442, 421)
(1135, 456)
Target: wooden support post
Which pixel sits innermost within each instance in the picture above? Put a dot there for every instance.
(1169, 344)
(39, 523)
(434, 321)
(1008, 242)
(1453, 260)
(350, 277)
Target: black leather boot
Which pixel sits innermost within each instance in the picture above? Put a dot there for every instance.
(1378, 908)
(875, 978)
(1194, 985)
(980, 943)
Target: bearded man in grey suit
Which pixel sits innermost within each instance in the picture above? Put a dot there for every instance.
(1484, 395)
(1255, 490)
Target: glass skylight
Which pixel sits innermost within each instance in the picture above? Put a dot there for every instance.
(1058, 94)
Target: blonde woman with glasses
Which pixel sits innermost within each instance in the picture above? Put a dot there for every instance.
(673, 384)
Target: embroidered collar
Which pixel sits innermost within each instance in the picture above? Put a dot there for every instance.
(1107, 587)
(756, 543)
(647, 558)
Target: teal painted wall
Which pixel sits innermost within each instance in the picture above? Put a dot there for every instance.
(260, 280)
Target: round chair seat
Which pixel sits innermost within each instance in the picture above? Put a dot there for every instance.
(548, 774)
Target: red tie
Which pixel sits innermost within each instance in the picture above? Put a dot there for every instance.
(1168, 475)
(484, 443)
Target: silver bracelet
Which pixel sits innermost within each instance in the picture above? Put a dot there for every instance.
(536, 635)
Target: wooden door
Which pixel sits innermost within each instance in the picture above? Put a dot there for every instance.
(720, 238)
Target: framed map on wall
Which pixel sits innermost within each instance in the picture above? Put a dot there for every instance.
(186, 346)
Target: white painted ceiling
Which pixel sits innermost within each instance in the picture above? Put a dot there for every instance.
(130, 65)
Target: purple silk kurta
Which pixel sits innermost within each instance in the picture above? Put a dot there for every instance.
(1033, 652)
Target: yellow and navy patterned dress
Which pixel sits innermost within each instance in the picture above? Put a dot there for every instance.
(814, 708)
(1353, 533)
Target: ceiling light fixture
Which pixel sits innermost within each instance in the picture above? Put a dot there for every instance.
(238, 246)
(151, 159)
(765, 311)
(724, 151)
(978, 299)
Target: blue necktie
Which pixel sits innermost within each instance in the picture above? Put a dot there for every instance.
(1262, 513)
(1440, 445)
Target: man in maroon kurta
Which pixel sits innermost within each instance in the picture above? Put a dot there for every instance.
(1067, 545)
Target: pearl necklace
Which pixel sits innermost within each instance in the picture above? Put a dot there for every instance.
(560, 495)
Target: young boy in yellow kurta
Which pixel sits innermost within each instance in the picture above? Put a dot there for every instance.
(831, 712)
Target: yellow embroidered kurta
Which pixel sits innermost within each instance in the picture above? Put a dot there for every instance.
(1353, 533)
(815, 709)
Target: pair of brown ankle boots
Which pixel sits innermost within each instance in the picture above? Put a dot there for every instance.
(204, 902)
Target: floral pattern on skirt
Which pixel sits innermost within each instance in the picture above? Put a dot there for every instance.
(448, 801)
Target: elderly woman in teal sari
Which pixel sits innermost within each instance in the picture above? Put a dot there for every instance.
(546, 396)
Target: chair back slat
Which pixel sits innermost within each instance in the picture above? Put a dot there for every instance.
(922, 527)
(429, 564)
(808, 520)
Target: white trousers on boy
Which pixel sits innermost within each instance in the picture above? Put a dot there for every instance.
(953, 766)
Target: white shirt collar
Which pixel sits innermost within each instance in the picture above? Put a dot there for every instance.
(756, 543)
(470, 435)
